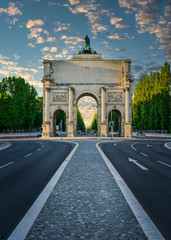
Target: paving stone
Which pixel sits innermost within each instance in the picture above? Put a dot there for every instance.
(86, 203)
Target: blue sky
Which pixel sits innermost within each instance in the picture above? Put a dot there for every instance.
(53, 29)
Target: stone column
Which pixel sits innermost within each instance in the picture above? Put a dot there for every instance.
(103, 102)
(103, 132)
(47, 90)
(70, 127)
(128, 127)
(70, 105)
(47, 123)
(126, 105)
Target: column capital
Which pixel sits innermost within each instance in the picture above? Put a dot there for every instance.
(126, 89)
(103, 89)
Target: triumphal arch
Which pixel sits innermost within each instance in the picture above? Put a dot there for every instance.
(87, 74)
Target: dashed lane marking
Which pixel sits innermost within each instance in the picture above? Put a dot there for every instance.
(38, 149)
(164, 163)
(6, 165)
(144, 154)
(28, 155)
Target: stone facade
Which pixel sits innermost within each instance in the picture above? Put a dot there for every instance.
(107, 81)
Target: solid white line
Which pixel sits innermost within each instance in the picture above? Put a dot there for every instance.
(144, 154)
(164, 163)
(28, 154)
(133, 147)
(38, 149)
(6, 164)
(145, 222)
(21, 231)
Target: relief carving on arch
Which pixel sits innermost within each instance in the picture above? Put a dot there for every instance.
(59, 97)
(114, 97)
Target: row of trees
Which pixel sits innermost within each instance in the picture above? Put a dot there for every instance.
(19, 105)
(152, 101)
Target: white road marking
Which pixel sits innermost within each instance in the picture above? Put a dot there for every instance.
(6, 165)
(21, 231)
(144, 154)
(115, 144)
(28, 155)
(149, 145)
(164, 163)
(38, 149)
(133, 147)
(138, 164)
(150, 230)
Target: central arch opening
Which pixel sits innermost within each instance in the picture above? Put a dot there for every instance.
(87, 113)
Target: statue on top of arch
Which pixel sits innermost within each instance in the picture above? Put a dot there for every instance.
(87, 49)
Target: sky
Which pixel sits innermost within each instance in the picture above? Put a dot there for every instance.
(34, 30)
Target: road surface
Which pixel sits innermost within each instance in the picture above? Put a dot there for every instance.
(25, 169)
(145, 166)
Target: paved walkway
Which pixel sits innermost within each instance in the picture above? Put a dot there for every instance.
(86, 203)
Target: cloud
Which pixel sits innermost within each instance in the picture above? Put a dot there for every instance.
(14, 21)
(51, 39)
(34, 33)
(92, 11)
(61, 27)
(53, 49)
(45, 49)
(74, 2)
(121, 26)
(31, 45)
(71, 40)
(115, 20)
(167, 12)
(40, 40)
(115, 37)
(52, 57)
(11, 10)
(32, 23)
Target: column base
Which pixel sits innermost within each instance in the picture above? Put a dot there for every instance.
(70, 128)
(103, 132)
(128, 130)
(46, 129)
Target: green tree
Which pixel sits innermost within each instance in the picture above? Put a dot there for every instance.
(61, 119)
(39, 112)
(21, 98)
(114, 119)
(152, 100)
(80, 121)
(94, 122)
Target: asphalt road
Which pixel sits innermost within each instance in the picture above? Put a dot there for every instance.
(25, 169)
(145, 166)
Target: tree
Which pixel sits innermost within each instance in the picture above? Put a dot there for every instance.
(39, 112)
(80, 121)
(61, 119)
(151, 103)
(19, 101)
(94, 122)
